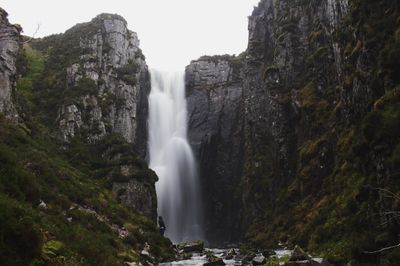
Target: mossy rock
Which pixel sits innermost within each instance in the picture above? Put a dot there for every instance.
(52, 249)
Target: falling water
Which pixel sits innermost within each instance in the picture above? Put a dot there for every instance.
(172, 158)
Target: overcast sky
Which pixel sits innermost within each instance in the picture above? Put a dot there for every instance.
(171, 32)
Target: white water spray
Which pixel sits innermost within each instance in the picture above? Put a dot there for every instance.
(172, 159)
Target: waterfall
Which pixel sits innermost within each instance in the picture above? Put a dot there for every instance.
(171, 157)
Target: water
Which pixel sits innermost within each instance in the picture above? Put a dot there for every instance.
(172, 158)
(199, 259)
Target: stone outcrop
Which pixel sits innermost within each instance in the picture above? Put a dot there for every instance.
(112, 75)
(214, 92)
(137, 196)
(10, 41)
(96, 77)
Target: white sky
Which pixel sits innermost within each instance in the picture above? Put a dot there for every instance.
(171, 32)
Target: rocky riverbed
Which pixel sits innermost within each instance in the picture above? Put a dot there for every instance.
(194, 254)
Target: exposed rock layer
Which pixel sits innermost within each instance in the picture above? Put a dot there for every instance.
(110, 71)
(10, 41)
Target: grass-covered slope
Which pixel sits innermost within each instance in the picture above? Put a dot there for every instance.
(56, 203)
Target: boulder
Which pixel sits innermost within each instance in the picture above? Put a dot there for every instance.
(191, 247)
(258, 260)
(299, 255)
(43, 205)
(230, 254)
(320, 262)
(248, 257)
(214, 261)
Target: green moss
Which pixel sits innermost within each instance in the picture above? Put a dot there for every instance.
(52, 249)
(127, 73)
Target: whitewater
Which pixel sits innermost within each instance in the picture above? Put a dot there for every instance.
(171, 157)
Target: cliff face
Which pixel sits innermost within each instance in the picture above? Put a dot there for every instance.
(106, 81)
(319, 103)
(94, 86)
(10, 41)
(214, 93)
(293, 59)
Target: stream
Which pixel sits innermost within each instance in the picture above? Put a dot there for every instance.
(230, 257)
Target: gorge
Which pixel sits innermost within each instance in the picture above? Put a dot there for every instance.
(295, 140)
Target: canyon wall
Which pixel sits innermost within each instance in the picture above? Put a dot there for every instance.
(317, 111)
(214, 95)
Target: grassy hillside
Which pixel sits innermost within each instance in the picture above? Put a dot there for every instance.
(55, 200)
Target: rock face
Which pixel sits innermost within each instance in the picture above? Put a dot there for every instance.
(96, 77)
(113, 74)
(318, 101)
(290, 44)
(137, 196)
(214, 91)
(10, 41)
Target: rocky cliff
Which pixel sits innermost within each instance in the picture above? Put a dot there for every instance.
(94, 86)
(105, 81)
(10, 42)
(214, 94)
(319, 103)
(74, 187)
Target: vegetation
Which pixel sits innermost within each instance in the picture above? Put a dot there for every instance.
(55, 201)
(342, 199)
(127, 73)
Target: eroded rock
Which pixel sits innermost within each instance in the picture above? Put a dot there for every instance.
(10, 41)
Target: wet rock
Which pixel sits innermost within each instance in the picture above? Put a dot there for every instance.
(191, 247)
(213, 88)
(268, 253)
(259, 259)
(248, 257)
(299, 255)
(213, 260)
(320, 262)
(230, 254)
(217, 262)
